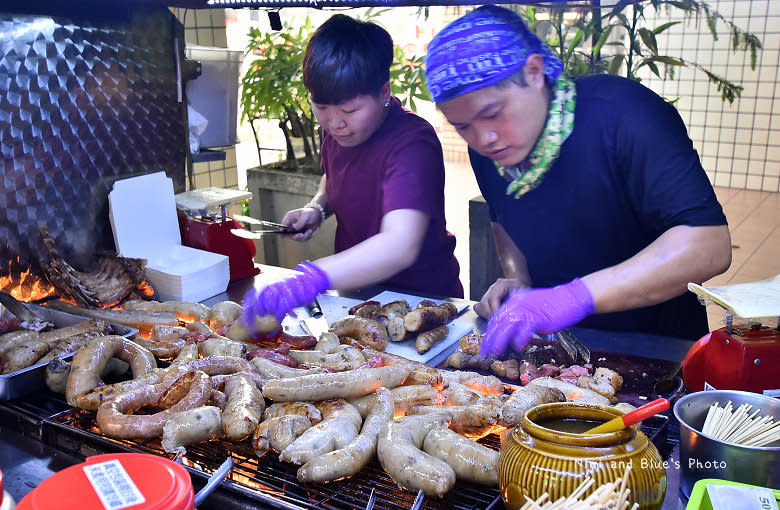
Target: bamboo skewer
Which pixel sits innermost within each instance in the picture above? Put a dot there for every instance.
(737, 426)
(610, 496)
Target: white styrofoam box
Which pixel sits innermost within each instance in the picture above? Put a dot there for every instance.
(142, 211)
(188, 274)
(214, 94)
(143, 217)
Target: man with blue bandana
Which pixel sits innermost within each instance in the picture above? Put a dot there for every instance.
(600, 208)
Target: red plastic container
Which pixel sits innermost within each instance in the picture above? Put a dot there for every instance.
(135, 481)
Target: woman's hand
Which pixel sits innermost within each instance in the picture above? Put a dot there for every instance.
(280, 297)
(496, 295)
(306, 220)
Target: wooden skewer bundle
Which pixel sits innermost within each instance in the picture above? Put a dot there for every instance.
(610, 496)
(737, 426)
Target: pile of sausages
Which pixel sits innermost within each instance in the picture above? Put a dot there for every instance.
(341, 404)
(375, 323)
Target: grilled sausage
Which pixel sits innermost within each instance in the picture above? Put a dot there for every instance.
(273, 370)
(114, 420)
(191, 426)
(524, 398)
(349, 460)
(186, 311)
(278, 433)
(90, 361)
(474, 421)
(223, 313)
(471, 461)
(423, 319)
(399, 453)
(428, 339)
(244, 408)
(349, 384)
(366, 331)
(343, 358)
(339, 425)
(485, 384)
(404, 397)
(221, 346)
(572, 391)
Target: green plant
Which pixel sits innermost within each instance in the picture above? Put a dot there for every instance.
(581, 43)
(272, 87)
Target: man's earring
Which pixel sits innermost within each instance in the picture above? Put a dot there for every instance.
(387, 102)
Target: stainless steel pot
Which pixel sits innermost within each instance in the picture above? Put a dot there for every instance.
(702, 456)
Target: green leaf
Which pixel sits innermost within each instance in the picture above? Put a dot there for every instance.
(615, 64)
(660, 28)
(648, 37)
(670, 61)
(578, 36)
(602, 40)
(649, 63)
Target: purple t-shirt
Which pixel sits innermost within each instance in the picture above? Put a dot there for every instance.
(400, 167)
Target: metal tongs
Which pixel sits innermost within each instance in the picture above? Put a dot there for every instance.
(570, 344)
(214, 479)
(265, 227)
(29, 319)
(418, 501)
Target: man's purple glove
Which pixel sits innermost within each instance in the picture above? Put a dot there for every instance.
(280, 297)
(528, 311)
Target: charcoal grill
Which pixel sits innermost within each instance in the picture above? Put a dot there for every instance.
(266, 482)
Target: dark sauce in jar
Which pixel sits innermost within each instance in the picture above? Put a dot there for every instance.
(570, 425)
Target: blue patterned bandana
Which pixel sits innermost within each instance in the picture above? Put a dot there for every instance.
(480, 49)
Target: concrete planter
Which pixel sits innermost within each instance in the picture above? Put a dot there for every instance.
(274, 192)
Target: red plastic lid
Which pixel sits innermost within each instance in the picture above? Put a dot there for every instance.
(115, 481)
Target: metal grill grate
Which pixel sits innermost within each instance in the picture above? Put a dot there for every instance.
(268, 480)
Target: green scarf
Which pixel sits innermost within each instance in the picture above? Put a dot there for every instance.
(560, 122)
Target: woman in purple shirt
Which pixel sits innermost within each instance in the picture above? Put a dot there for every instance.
(383, 179)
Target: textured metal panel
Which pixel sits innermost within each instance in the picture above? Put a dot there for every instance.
(83, 101)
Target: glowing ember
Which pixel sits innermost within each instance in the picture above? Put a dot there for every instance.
(24, 285)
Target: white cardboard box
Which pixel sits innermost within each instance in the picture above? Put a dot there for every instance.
(142, 211)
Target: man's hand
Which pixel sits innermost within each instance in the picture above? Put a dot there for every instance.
(528, 311)
(496, 294)
(280, 297)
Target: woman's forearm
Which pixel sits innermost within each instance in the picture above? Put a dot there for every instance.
(381, 256)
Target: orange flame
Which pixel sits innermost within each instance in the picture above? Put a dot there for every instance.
(24, 285)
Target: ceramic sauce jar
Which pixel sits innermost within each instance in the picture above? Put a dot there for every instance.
(535, 459)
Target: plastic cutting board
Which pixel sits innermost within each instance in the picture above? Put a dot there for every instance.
(336, 307)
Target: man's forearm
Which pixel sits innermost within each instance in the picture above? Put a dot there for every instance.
(663, 269)
(512, 260)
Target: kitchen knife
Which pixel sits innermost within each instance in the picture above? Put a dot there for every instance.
(315, 322)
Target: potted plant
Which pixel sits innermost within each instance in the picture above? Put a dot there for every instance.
(272, 88)
(579, 44)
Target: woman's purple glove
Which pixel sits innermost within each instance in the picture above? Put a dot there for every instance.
(280, 297)
(528, 311)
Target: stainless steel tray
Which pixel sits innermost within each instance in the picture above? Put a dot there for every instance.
(31, 379)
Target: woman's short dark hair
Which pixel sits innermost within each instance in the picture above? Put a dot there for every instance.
(345, 58)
